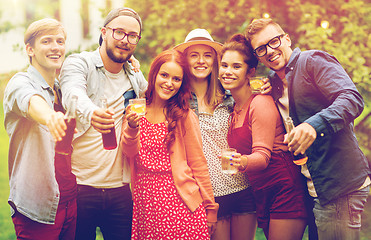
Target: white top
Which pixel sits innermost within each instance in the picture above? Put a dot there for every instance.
(214, 129)
(283, 107)
(91, 163)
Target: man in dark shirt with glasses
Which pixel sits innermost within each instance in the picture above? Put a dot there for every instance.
(315, 91)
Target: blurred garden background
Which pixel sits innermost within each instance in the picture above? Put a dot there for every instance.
(340, 27)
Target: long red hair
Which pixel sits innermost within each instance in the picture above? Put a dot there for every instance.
(177, 106)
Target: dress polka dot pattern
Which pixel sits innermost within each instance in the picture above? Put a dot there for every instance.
(158, 211)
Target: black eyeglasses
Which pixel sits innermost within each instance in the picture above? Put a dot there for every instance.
(119, 34)
(273, 43)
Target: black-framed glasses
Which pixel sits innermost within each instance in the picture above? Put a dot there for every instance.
(273, 43)
(119, 34)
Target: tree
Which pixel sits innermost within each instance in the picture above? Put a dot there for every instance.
(339, 27)
(342, 29)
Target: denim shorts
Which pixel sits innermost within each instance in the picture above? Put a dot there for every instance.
(238, 203)
(341, 218)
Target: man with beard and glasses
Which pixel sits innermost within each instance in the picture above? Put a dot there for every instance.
(103, 176)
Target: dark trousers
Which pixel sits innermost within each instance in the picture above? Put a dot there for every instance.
(108, 209)
(62, 229)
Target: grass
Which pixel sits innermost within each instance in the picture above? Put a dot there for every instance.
(6, 225)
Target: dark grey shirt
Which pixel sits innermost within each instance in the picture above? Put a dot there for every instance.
(322, 94)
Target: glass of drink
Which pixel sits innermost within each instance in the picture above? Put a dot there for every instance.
(138, 105)
(227, 168)
(256, 83)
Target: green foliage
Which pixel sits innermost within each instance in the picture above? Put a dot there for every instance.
(6, 225)
(166, 23)
(348, 36)
(6, 25)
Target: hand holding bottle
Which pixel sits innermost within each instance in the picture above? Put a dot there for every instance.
(102, 120)
(299, 139)
(64, 145)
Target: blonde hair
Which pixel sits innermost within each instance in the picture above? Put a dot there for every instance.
(40, 28)
(215, 92)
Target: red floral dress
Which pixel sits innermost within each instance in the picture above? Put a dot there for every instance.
(158, 211)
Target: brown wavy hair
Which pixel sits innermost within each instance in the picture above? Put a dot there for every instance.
(177, 107)
(239, 43)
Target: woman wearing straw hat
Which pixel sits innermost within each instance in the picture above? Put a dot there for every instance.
(236, 215)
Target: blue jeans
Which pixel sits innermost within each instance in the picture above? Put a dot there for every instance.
(108, 209)
(341, 218)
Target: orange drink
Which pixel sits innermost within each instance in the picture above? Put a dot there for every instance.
(255, 84)
(138, 105)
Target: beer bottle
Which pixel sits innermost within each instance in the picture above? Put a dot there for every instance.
(64, 146)
(109, 139)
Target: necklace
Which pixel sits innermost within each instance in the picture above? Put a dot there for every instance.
(238, 110)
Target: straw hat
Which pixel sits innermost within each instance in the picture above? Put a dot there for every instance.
(196, 37)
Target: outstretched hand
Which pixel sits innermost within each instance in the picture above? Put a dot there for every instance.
(56, 125)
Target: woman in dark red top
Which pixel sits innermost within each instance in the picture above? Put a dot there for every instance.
(257, 132)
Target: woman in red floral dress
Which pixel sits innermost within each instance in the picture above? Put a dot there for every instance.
(172, 192)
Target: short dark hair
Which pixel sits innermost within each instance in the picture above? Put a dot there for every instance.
(240, 44)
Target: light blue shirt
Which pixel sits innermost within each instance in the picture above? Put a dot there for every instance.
(84, 75)
(33, 188)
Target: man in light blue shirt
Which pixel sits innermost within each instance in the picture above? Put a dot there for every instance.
(33, 126)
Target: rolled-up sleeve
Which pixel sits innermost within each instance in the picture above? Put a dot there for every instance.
(346, 103)
(73, 80)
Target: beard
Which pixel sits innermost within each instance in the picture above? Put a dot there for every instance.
(118, 59)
